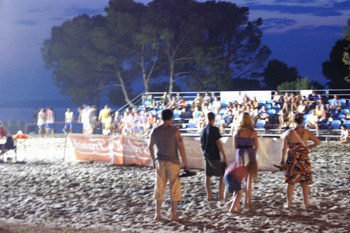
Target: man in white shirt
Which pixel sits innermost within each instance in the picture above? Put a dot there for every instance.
(68, 121)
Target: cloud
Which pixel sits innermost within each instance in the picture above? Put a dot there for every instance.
(25, 22)
(312, 10)
(277, 23)
(75, 10)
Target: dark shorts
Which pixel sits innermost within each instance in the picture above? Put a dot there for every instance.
(232, 185)
(50, 126)
(214, 168)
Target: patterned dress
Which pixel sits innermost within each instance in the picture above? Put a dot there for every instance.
(298, 166)
(245, 148)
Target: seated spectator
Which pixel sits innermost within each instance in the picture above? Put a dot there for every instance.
(150, 103)
(173, 103)
(312, 121)
(164, 100)
(312, 100)
(198, 101)
(263, 114)
(335, 103)
(183, 103)
(216, 105)
(302, 107)
(320, 110)
(277, 99)
(227, 120)
(206, 99)
(255, 103)
(285, 116)
(201, 122)
(344, 135)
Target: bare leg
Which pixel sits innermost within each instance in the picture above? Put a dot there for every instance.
(221, 188)
(235, 206)
(290, 190)
(174, 216)
(248, 195)
(305, 188)
(158, 208)
(208, 188)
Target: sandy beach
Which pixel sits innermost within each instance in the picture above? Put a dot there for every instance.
(52, 193)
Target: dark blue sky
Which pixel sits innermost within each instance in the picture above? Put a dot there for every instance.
(300, 33)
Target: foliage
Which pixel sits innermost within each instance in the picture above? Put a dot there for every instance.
(277, 72)
(298, 84)
(334, 69)
(207, 45)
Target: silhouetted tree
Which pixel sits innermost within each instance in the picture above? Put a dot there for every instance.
(278, 72)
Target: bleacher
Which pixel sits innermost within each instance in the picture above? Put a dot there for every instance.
(265, 98)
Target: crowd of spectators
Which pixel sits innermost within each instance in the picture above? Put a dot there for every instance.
(275, 114)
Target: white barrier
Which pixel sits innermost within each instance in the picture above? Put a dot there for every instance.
(128, 150)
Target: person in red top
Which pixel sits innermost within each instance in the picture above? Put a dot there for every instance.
(3, 132)
(233, 177)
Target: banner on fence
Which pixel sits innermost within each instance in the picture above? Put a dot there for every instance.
(128, 150)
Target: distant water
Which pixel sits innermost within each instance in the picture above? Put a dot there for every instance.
(25, 115)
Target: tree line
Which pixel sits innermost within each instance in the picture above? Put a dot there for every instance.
(165, 45)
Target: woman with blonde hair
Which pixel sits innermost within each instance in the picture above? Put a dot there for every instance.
(245, 140)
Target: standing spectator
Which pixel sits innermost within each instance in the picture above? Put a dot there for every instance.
(298, 166)
(68, 121)
(85, 112)
(168, 140)
(211, 148)
(103, 115)
(3, 132)
(246, 143)
(41, 122)
(92, 118)
(50, 121)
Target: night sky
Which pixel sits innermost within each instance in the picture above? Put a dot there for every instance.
(300, 33)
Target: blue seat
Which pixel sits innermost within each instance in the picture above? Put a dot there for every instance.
(260, 124)
(271, 111)
(341, 116)
(336, 124)
(343, 102)
(347, 124)
(268, 106)
(345, 111)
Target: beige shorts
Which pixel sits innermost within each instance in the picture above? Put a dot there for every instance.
(167, 171)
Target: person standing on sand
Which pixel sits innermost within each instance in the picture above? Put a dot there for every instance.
(298, 166)
(245, 140)
(211, 148)
(41, 122)
(167, 165)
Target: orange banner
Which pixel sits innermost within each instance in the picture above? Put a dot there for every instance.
(90, 148)
(128, 150)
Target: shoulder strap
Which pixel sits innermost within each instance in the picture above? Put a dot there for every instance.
(300, 140)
